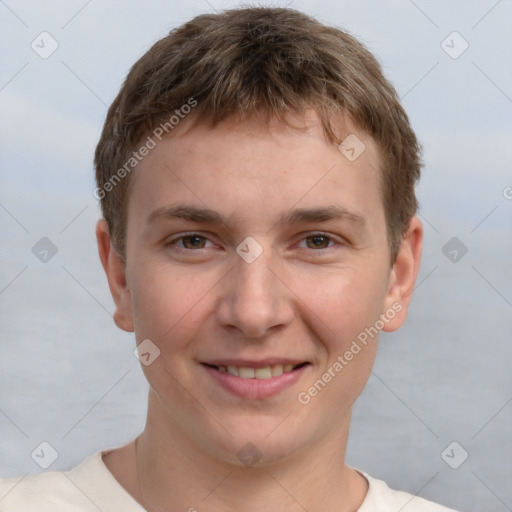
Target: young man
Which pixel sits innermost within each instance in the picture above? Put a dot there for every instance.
(256, 174)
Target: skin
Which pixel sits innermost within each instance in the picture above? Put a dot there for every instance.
(303, 297)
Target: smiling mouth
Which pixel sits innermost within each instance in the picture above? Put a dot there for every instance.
(261, 373)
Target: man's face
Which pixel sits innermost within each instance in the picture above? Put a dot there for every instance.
(264, 292)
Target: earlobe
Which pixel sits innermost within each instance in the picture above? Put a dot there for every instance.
(403, 275)
(115, 270)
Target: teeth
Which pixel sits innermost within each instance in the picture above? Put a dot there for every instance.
(267, 372)
(246, 373)
(277, 370)
(263, 373)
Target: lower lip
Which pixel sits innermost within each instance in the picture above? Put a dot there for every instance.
(255, 389)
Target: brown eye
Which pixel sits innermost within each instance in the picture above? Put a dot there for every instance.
(318, 241)
(193, 242)
(188, 242)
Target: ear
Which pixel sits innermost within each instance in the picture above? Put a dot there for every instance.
(403, 276)
(115, 268)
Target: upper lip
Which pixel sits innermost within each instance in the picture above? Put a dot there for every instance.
(251, 363)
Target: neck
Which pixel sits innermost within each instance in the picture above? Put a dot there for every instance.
(172, 470)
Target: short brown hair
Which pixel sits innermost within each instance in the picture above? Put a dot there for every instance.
(260, 61)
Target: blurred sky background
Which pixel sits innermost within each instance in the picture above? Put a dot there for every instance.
(68, 375)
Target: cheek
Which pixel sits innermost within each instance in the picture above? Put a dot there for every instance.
(167, 301)
(169, 308)
(345, 301)
(345, 315)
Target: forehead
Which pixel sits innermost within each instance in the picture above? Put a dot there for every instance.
(256, 129)
(255, 166)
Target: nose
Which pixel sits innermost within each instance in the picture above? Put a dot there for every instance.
(255, 298)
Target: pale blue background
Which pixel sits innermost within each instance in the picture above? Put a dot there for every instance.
(68, 375)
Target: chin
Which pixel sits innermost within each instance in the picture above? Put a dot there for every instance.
(258, 443)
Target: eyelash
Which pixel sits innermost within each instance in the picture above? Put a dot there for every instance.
(174, 241)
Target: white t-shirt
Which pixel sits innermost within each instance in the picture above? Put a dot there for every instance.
(90, 487)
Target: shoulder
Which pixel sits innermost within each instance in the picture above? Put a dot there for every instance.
(86, 488)
(52, 490)
(380, 498)
(44, 490)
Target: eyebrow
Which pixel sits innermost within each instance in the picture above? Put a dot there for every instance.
(202, 215)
